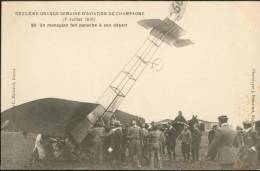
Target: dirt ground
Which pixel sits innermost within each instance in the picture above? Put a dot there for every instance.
(16, 151)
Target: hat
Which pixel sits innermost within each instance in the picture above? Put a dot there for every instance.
(214, 126)
(117, 123)
(222, 117)
(247, 122)
(239, 128)
(155, 126)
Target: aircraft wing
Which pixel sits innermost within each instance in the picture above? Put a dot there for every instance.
(182, 42)
(167, 31)
(51, 116)
(150, 23)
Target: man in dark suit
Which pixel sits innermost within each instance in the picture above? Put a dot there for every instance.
(196, 142)
(212, 133)
(171, 136)
(251, 142)
(224, 144)
(211, 136)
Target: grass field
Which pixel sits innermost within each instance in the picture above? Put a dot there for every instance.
(16, 151)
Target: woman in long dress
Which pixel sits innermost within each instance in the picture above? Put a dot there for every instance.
(42, 151)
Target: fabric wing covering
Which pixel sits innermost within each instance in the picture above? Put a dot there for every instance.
(51, 116)
(167, 31)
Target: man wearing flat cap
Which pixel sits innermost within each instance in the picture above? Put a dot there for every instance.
(223, 143)
(251, 144)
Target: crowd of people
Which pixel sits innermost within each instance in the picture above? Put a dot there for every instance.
(139, 145)
(236, 149)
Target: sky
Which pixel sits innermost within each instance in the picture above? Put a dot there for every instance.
(208, 79)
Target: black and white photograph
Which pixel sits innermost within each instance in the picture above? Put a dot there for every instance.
(130, 85)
